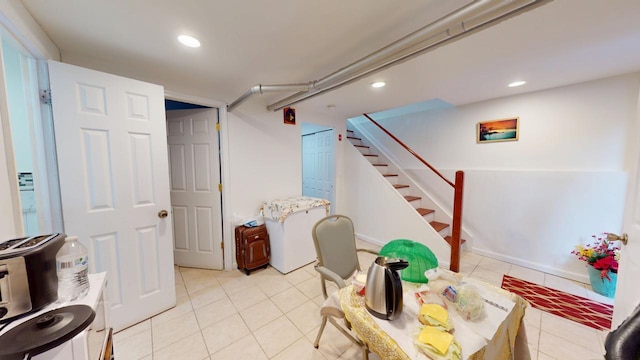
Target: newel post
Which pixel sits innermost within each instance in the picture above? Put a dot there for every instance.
(457, 222)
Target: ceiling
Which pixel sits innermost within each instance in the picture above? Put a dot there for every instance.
(250, 42)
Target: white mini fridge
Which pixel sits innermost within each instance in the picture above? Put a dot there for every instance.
(289, 223)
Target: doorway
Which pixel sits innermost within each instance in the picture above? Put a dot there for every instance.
(194, 177)
(318, 162)
(30, 135)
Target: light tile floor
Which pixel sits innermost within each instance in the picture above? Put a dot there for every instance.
(267, 315)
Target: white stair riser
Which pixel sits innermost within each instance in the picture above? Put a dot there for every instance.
(382, 169)
(392, 179)
(404, 191)
(430, 217)
(372, 159)
(363, 150)
(445, 232)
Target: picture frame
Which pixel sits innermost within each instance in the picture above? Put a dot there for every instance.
(498, 130)
(289, 115)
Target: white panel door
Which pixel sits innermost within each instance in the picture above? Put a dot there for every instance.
(112, 159)
(195, 199)
(326, 155)
(308, 165)
(318, 154)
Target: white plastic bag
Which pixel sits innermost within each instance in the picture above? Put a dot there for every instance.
(251, 221)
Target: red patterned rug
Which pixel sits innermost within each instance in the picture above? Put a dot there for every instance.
(568, 306)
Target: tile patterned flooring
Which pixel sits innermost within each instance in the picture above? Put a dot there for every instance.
(267, 315)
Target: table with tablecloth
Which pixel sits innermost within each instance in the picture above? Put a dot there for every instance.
(499, 335)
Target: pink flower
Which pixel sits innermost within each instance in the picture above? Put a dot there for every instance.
(601, 255)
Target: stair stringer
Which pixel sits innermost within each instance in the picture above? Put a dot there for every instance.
(443, 212)
(387, 215)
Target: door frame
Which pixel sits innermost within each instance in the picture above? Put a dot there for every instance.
(8, 152)
(333, 161)
(623, 306)
(45, 163)
(227, 231)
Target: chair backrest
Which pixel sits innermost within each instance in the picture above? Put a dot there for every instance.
(335, 242)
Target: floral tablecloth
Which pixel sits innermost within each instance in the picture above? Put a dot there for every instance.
(279, 209)
(509, 340)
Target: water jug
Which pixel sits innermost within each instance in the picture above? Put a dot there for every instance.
(72, 268)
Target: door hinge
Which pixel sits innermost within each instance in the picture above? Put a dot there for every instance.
(222, 245)
(45, 96)
(220, 187)
(218, 127)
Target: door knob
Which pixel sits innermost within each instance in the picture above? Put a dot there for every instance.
(163, 214)
(613, 237)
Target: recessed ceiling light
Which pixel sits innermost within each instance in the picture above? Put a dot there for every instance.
(189, 41)
(517, 83)
(378, 84)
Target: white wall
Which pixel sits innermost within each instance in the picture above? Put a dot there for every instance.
(266, 158)
(530, 201)
(379, 212)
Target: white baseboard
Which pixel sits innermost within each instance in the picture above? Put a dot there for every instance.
(583, 278)
(370, 240)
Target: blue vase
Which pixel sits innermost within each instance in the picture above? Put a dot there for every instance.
(604, 286)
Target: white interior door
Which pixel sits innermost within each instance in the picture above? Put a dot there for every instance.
(318, 154)
(112, 159)
(195, 199)
(308, 165)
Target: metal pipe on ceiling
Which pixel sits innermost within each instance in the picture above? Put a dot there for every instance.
(469, 19)
(261, 89)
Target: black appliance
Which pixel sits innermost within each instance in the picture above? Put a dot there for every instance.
(28, 280)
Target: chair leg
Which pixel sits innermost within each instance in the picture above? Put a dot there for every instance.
(346, 333)
(317, 342)
(363, 346)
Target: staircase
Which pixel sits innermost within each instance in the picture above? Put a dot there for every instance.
(398, 181)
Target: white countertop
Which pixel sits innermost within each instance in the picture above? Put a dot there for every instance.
(96, 284)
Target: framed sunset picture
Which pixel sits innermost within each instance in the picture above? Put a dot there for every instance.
(498, 130)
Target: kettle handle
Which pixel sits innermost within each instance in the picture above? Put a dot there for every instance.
(394, 298)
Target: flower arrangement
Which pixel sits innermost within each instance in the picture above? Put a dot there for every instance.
(603, 255)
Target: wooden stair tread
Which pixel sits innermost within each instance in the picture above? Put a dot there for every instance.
(423, 211)
(372, 155)
(379, 164)
(388, 175)
(449, 239)
(400, 186)
(438, 225)
(412, 198)
(362, 146)
(353, 138)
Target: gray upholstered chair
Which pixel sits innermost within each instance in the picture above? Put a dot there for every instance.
(335, 241)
